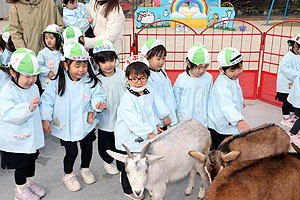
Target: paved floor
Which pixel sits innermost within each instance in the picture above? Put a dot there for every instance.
(49, 167)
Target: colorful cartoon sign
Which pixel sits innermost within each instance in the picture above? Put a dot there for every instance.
(166, 3)
(216, 14)
(145, 16)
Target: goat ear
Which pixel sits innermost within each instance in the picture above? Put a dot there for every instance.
(232, 155)
(198, 156)
(152, 158)
(117, 156)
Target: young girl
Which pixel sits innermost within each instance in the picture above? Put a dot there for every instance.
(73, 34)
(192, 87)
(7, 46)
(226, 102)
(136, 122)
(113, 84)
(21, 133)
(155, 52)
(289, 68)
(108, 23)
(69, 103)
(49, 57)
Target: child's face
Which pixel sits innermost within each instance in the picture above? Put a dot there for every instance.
(108, 67)
(198, 71)
(137, 80)
(72, 6)
(157, 62)
(233, 73)
(77, 69)
(50, 40)
(24, 81)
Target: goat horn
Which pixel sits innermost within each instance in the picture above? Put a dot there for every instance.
(127, 150)
(145, 150)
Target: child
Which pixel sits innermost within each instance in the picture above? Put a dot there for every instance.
(113, 84)
(289, 68)
(74, 14)
(136, 123)
(7, 46)
(193, 86)
(49, 57)
(155, 52)
(73, 34)
(225, 102)
(108, 23)
(21, 133)
(69, 102)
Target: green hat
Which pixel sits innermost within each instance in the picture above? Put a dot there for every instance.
(53, 28)
(75, 51)
(105, 45)
(150, 44)
(294, 39)
(25, 62)
(136, 58)
(229, 56)
(71, 34)
(5, 34)
(198, 54)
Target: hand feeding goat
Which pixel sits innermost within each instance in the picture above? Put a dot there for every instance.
(276, 177)
(165, 158)
(259, 142)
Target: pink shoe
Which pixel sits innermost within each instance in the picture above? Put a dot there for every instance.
(38, 190)
(295, 139)
(26, 195)
(289, 122)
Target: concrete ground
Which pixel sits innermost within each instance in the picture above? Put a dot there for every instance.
(49, 169)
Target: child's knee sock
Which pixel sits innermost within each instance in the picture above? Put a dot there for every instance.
(21, 188)
(29, 180)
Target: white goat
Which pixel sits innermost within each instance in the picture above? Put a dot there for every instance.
(166, 158)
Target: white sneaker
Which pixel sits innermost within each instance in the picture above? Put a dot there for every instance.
(71, 182)
(87, 175)
(289, 122)
(110, 168)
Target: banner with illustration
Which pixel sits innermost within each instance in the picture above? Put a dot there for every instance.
(147, 15)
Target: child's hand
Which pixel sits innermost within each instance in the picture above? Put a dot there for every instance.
(167, 121)
(290, 85)
(46, 126)
(35, 102)
(101, 105)
(51, 74)
(243, 126)
(152, 135)
(159, 130)
(90, 19)
(91, 117)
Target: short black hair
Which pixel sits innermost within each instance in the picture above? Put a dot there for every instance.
(137, 68)
(67, 1)
(233, 67)
(159, 50)
(104, 56)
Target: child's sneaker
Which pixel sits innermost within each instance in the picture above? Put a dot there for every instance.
(26, 195)
(295, 139)
(87, 175)
(289, 122)
(132, 196)
(38, 190)
(71, 182)
(294, 117)
(110, 168)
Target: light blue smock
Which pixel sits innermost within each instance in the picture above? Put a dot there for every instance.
(161, 84)
(294, 95)
(4, 78)
(1, 58)
(289, 69)
(114, 88)
(76, 17)
(136, 119)
(6, 57)
(68, 113)
(20, 129)
(191, 96)
(225, 105)
(48, 61)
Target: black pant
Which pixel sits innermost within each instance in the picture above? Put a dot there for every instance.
(287, 108)
(22, 173)
(86, 145)
(124, 179)
(90, 34)
(296, 127)
(106, 141)
(216, 138)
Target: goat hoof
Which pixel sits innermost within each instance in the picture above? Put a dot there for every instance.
(188, 191)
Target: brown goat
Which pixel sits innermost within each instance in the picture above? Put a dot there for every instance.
(259, 142)
(276, 178)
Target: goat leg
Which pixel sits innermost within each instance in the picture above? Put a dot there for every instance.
(191, 184)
